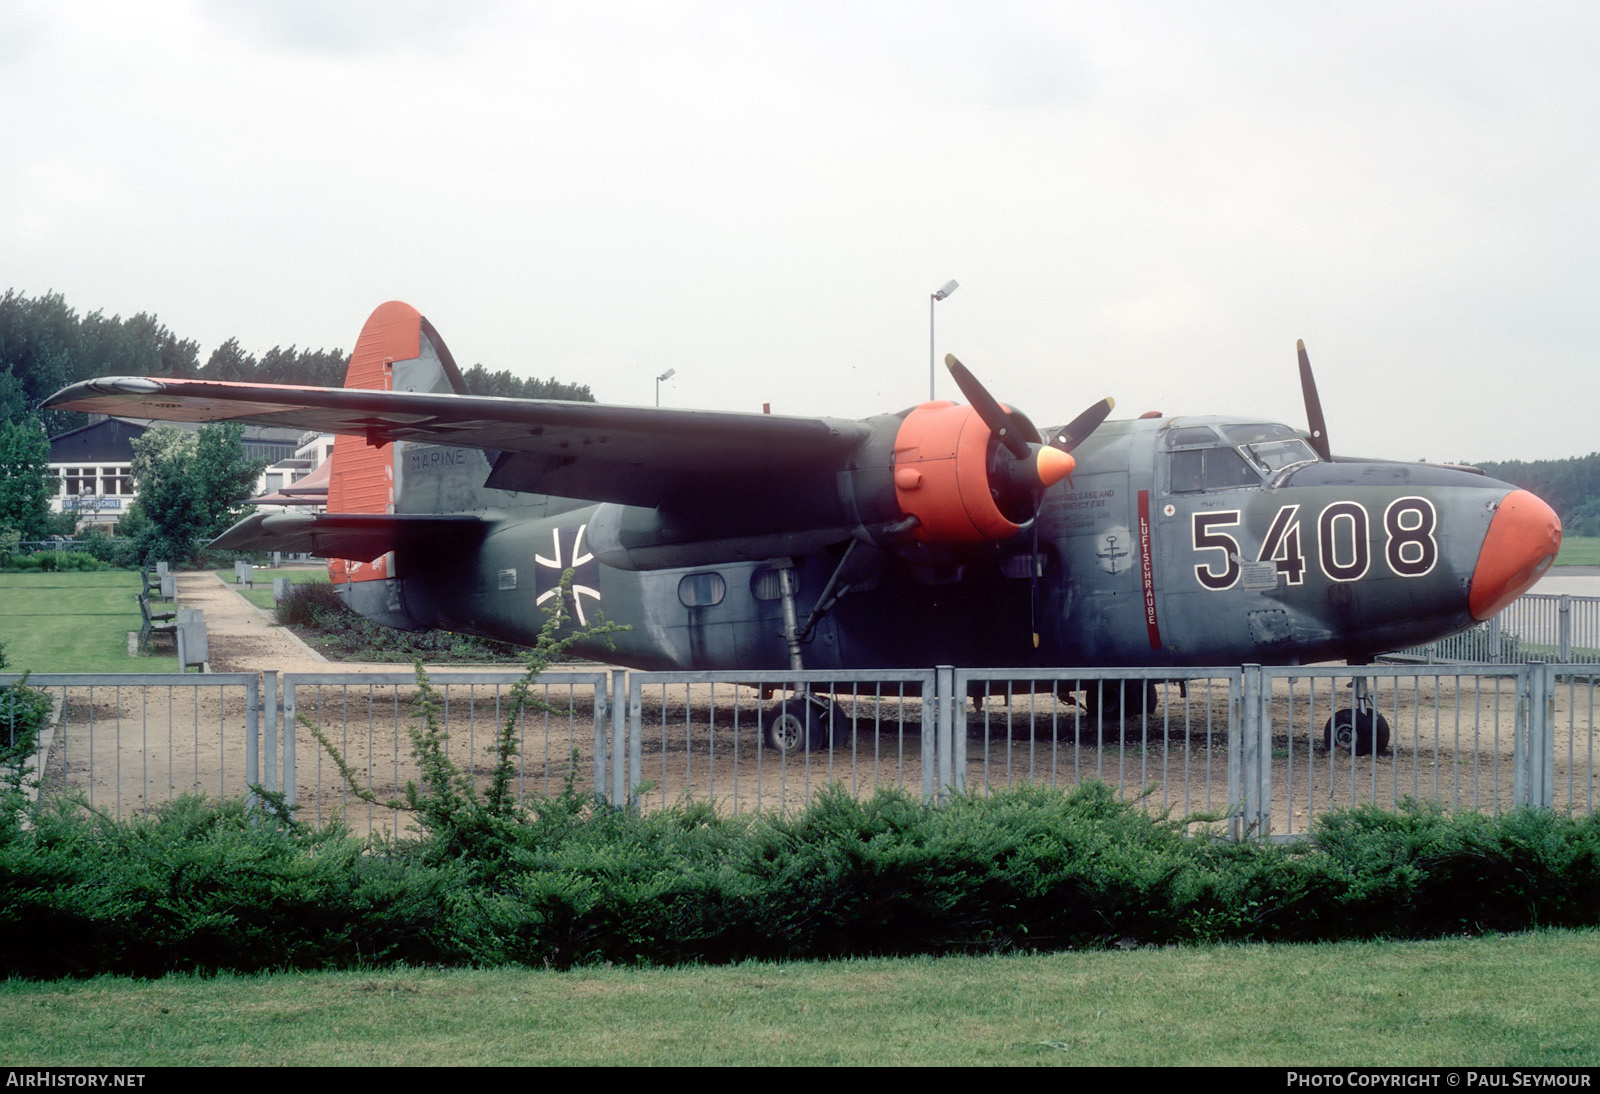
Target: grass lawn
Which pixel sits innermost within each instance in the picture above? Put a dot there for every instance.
(75, 622)
(1579, 551)
(261, 594)
(1504, 1000)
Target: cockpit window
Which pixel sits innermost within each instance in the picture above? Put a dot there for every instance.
(1256, 432)
(1276, 455)
(1216, 468)
(1194, 434)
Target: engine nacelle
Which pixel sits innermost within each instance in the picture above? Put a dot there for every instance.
(942, 458)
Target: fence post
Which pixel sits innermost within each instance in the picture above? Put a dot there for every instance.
(269, 701)
(635, 739)
(1534, 756)
(1494, 638)
(1254, 818)
(287, 783)
(617, 788)
(603, 707)
(252, 738)
(1235, 772)
(944, 748)
(269, 778)
(958, 738)
(1564, 627)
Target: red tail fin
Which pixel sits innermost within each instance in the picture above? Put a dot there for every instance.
(397, 350)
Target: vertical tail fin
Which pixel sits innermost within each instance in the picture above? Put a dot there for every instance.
(397, 350)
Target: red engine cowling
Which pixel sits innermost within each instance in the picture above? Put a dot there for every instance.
(943, 475)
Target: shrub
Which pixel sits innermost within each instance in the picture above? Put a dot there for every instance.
(24, 711)
(55, 562)
(122, 553)
(343, 633)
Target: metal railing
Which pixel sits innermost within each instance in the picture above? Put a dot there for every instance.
(562, 737)
(703, 734)
(1535, 627)
(1248, 744)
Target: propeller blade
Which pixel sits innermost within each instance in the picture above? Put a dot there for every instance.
(1314, 419)
(995, 416)
(1072, 434)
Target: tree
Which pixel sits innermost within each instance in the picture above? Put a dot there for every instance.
(221, 477)
(190, 487)
(26, 484)
(229, 362)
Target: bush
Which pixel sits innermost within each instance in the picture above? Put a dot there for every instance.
(206, 886)
(24, 711)
(121, 553)
(316, 604)
(51, 562)
(347, 635)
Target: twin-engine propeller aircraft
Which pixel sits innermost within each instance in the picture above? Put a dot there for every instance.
(942, 534)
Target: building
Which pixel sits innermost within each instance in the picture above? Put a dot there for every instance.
(95, 463)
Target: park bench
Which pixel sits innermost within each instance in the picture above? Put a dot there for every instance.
(153, 622)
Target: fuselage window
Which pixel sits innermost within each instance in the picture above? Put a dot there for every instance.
(702, 590)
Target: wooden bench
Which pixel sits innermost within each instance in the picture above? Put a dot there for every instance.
(154, 622)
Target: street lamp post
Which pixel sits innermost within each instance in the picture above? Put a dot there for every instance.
(933, 298)
(667, 375)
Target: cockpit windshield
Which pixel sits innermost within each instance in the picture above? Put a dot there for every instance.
(1276, 455)
(1233, 456)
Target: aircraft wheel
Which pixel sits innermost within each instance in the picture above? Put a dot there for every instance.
(1358, 732)
(793, 726)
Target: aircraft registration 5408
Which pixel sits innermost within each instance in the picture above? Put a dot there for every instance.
(940, 534)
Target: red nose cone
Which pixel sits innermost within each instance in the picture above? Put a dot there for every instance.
(1522, 542)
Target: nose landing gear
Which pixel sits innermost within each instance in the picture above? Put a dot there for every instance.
(1362, 730)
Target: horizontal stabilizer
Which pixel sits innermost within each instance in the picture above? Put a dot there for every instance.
(361, 537)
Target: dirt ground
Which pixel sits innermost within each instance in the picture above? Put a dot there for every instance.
(131, 747)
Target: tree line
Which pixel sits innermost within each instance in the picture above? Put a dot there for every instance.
(1571, 487)
(45, 344)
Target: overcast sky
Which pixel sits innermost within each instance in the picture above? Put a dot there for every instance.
(1145, 200)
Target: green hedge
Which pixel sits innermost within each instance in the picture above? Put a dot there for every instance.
(205, 886)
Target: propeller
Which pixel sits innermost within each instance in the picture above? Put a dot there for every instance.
(996, 417)
(1035, 466)
(1072, 434)
(1019, 483)
(1314, 419)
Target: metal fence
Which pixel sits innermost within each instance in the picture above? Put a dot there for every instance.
(1534, 627)
(1264, 751)
(128, 742)
(365, 721)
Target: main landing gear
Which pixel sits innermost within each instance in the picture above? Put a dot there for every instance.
(804, 722)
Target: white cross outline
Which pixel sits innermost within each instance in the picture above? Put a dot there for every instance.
(578, 559)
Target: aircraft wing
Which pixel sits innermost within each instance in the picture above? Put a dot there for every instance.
(632, 455)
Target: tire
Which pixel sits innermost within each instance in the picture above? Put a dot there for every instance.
(796, 726)
(1355, 732)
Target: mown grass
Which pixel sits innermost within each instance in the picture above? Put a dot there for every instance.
(75, 622)
(1579, 551)
(1523, 999)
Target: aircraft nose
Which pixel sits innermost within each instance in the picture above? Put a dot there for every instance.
(1521, 543)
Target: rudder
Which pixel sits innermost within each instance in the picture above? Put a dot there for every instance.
(397, 350)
